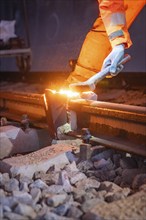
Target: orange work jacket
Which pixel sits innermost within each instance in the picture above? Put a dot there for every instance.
(113, 14)
(109, 29)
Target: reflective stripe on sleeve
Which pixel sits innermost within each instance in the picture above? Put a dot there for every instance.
(115, 34)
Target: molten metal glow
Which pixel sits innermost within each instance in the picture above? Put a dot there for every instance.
(68, 93)
(88, 92)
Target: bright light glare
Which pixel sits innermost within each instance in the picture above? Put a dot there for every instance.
(88, 92)
(68, 93)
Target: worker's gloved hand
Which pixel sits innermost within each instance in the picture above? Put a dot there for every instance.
(113, 59)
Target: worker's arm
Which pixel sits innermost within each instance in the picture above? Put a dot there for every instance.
(114, 19)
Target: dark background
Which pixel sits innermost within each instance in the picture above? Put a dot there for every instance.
(57, 29)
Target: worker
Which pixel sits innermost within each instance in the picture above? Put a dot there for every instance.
(106, 42)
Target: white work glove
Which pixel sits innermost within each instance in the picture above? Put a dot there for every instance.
(113, 59)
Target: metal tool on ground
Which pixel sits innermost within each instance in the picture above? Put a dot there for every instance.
(90, 84)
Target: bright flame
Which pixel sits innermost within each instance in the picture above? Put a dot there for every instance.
(68, 93)
(88, 92)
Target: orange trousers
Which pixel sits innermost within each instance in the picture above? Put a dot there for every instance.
(96, 45)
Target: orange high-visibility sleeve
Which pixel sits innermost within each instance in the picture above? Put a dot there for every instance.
(97, 46)
(114, 19)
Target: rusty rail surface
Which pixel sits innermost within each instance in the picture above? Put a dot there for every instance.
(107, 121)
(100, 115)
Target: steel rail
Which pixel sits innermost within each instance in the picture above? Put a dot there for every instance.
(34, 98)
(128, 112)
(111, 119)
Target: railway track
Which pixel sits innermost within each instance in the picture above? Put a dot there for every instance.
(115, 126)
(118, 126)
